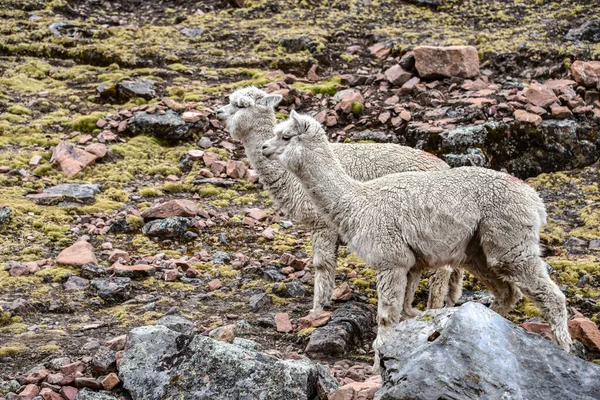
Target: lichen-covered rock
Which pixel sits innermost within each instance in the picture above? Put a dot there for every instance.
(349, 324)
(112, 289)
(177, 324)
(4, 213)
(88, 394)
(83, 193)
(160, 363)
(168, 126)
(470, 352)
(170, 227)
(131, 88)
(589, 30)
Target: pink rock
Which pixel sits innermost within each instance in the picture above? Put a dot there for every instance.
(111, 381)
(284, 325)
(586, 73)
(215, 284)
(409, 85)
(196, 155)
(54, 379)
(79, 253)
(315, 319)
(71, 159)
(218, 167)
(68, 392)
(346, 103)
(257, 214)
(524, 116)
(98, 149)
(251, 176)
(35, 160)
(117, 343)
(209, 158)
(586, 331)
(312, 74)
(561, 112)
(134, 271)
(539, 95)
(172, 208)
(453, 61)
(539, 328)
(236, 169)
(268, 233)
(29, 392)
(171, 275)
(192, 116)
(37, 376)
(380, 50)
(116, 254)
(71, 369)
(49, 394)
(397, 76)
(342, 292)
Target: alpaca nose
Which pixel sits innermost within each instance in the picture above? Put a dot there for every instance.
(264, 147)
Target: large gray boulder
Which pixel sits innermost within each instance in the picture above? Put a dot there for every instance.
(160, 363)
(470, 352)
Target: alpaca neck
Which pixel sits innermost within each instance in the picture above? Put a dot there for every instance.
(269, 171)
(330, 188)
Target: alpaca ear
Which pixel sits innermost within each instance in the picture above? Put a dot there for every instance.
(271, 100)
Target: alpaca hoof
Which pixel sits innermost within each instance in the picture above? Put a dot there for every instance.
(411, 312)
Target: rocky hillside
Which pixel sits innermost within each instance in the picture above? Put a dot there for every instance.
(124, 201)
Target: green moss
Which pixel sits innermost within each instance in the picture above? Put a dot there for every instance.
(209, 190)
(19, 110)
(117, 195)
(179, 67)
(50, 348)
(306, 332)
(57, 273)
(357, 108)
(134, 221)
(87, 123)
(174, 187)
(16, 328)
(328, 87)
(149, 192)
(11, 351)
(347, 57)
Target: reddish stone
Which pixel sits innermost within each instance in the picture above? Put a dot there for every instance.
(35, 160)
(19, 269)
(97, 149)
(172, 208)
(68, 392)
(539, 328)
(218, 167)
(49, 394)
(312, 74)
(85, 382)
(405, 115)
(586, 331)
(236, 169)
(477, 84)
(287, 270)
(342, 292)
(117, 343)
(357, 390)
(134, 271)
(539, 95)
(116, 254)
(397, 76)
(30, 391)
(586, 73)
(71, 159)
(192, 116)
(196, 155)
(560, 86)
(409, 85)
(346, 103)
(284, 325)
(37, 376)
(251, 176)
(209, 158)
(256, 213)
(561, 112)
(110, 381)
(287, 259)
(78, 254)
(524, 116)
(171, 275)
(70, 369)
(535, 109)
(54, 379)
(215, 284)
(453, 61)
(384, 117)
(315, 319)
(380, 50)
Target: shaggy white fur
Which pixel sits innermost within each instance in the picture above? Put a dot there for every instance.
(250, 117)
(409, 221)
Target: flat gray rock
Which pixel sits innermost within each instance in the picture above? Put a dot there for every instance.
(470, 352)
(81, 193)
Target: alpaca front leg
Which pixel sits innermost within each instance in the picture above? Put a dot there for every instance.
(325, 247)
(391, 289)
(412, 284)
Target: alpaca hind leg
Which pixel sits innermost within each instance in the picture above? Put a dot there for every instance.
(325, 247)
(506, 294)
(454, 287)
(412, 284)
(391, 288)
(532, 277)
(438, 287)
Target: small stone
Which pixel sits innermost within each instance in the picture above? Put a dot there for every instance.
(77, 254)
(268, 233)
(539, 328)
(397, 76)
(117, 343)
(259, 301)
(98, 149)
(223, 333)
(35, 160)
(37, 376)
(540, 95)
(342, 293)
(71, 159)
(284, 325)
(71, 369)
(215, 284)
(75, 283)
(172, 208)
(192, 116)
(524, 116)
(195, 155)
(134, 271)
(586, 73)
(110, 381)
(453, 61)
(112, 289)
(561, 112)
(586, 331)
(235, 169)
(315, 319)
(381, 50)
(84, 382)
(29, 392)
(171, 275)
(54, 379)
(68, 392)
(251, 176)
(117, 254)
(256, 213)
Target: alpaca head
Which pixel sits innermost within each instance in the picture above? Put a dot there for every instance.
(295, 139)
(244, 106)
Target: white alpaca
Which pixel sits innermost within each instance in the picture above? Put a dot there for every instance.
(405, 222)
(250, 118)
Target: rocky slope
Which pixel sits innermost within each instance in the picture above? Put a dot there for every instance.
(123, 199)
